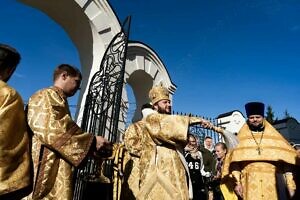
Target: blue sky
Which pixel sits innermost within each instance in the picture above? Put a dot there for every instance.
(220, 54)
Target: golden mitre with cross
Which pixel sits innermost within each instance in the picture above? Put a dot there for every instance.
(158, 93)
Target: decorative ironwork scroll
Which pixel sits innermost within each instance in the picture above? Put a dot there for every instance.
(101, 117)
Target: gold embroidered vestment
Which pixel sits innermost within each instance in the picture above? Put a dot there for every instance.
(162, 172)
(58, 144)
(133, 143)
(14, 142)
(258, 165)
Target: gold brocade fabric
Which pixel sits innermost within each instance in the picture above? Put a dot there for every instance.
(227, 181)
(258, 171)
(273, 146)
(121, 158)
(133, 143)
(58, 144)
(162, 173)
(259, 181)
(133, 138)
(14, 142)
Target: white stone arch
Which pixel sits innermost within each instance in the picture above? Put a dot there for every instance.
(91, 25)
(144, 69)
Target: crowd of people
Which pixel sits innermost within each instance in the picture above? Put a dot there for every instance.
(40, 147)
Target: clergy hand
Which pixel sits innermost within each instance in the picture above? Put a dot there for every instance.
(218, 129)
(103, 146)
(239, 190)
(206, 124)
(101, 142)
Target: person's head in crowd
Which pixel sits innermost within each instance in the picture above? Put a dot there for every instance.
(220, 150)
(255, 114)
(192, 141)
(67, 78)
(160, 99)
(9, 59)
(208, 143)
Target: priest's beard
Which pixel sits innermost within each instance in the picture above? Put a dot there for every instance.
(259, 127)
(163, 110)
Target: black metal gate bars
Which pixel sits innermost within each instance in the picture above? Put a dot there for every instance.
(101, 117)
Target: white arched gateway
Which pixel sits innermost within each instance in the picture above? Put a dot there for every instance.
(143, 70)
(91, 25)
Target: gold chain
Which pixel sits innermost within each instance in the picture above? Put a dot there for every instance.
(258, 149)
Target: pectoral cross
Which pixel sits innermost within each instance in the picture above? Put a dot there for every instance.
(258, 150)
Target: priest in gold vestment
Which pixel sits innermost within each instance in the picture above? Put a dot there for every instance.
(133, 144)
(15, 176)
(163, 170)
(261, 162)
(58, 144)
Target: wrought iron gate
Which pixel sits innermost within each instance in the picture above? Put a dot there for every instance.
(101, 117)
(200, 132)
